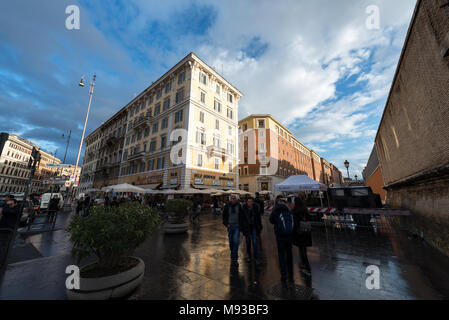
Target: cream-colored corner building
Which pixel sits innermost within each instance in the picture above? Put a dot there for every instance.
(182, 131)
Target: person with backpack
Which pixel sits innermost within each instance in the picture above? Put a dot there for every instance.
(302, 237)
(283, 222)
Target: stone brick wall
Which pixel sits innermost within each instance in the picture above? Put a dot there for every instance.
(414, 132)
(413, 138)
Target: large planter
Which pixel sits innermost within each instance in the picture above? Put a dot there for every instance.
(173, 228)
(109, 287)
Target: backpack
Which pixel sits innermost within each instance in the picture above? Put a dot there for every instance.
(285, 223)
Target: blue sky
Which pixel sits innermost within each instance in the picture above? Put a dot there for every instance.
(314, 65)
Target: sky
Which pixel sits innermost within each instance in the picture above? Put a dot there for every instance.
(312, 64)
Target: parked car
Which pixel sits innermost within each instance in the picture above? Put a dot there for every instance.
(45, 199)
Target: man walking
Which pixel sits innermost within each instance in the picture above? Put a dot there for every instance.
(283, 222)
(260, 202)
(232, 219)
(53, 208)
(252, 226)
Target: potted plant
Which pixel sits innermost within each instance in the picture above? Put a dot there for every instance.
(177, 210)
(111, 234)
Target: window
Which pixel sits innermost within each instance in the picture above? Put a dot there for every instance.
(203, 78)
(245, 127)
(164, 124)
(160, 163)
(167, 87)
(217, 164)
(163, 142)
(139, 135)
(157, 109)
(166, 104)
(203, 97)
(229, 130)
(159, 93)
(201, 137)
(181, 77)
(200, 160)
(230, 148)
(230, 114)
(261, 123)
(150, 164)
(128, 139)
(217, 142)
(230, 167)
(262, 146)
(151, 99)
(217, 106)
(230, 97)
(155, 127)
(178, 116)
(217, 124)
(263, 170)
(218, 88)
(147, 132)
(153, 145)
(261, 133)
(245, 171)
(133, 138)
(180, 95)
(201, 116)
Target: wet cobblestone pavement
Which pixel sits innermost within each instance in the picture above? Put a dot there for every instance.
(196, 265)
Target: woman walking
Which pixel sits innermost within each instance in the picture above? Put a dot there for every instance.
(302, 237)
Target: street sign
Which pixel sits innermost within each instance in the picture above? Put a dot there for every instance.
(58, 165)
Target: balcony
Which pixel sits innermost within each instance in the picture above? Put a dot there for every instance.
(216, 151)
(142, 122)
(136, 156)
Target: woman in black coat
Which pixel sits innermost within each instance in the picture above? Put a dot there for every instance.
(302, 239)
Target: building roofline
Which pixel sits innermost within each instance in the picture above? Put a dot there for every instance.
(401, 59)
(189, 56)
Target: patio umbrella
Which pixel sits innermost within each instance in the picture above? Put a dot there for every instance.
(124, 187)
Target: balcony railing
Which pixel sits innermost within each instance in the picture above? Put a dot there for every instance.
(137, 155)
(216, 151)
(142, 122)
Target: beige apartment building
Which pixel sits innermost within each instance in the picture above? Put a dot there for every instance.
(269, 153)
(180, 132)
(15, 154)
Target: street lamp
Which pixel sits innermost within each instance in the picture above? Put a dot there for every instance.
(91, 92)
(347, 166)
(355, 177)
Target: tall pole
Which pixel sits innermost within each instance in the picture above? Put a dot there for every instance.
(348, 172)
(67, 147)
(91, 91)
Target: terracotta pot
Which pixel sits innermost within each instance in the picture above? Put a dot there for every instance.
(109, 287)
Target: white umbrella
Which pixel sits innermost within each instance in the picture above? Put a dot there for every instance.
(124, 187)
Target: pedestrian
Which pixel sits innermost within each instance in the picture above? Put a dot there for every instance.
(115, 202)
(53, 207)
(10, 214)
(107, 202)
(86, 205)
(251, 228)
(232, 219)
(261, 203)
(196, 210)
(283, 222)
(79, 205)
(302, 237)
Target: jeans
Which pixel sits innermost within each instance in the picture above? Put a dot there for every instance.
(234, 241)
(285, 257)
(251, 237)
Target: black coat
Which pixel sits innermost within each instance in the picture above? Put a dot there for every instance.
(226, 214)
(251, 214)
(9, 217)
(54, 204)
(261, 204)
(274, 217)
(301, 239)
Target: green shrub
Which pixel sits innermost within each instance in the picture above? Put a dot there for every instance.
(111, 233)
(180, 209)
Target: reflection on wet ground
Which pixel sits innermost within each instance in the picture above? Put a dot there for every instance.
(196, 265)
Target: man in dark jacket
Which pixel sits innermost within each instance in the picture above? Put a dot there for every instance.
(10, 214)
(251, 228)
(53, 207)
(284, 242)
(260, 202)
(233, 219)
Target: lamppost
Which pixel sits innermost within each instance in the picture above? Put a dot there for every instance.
(355, 177)
(91, 92)
(347, 167)
(67, 146)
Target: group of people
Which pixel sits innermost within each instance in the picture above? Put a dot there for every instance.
(291, 228)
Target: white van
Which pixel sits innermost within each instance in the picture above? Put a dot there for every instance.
(45, 199)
